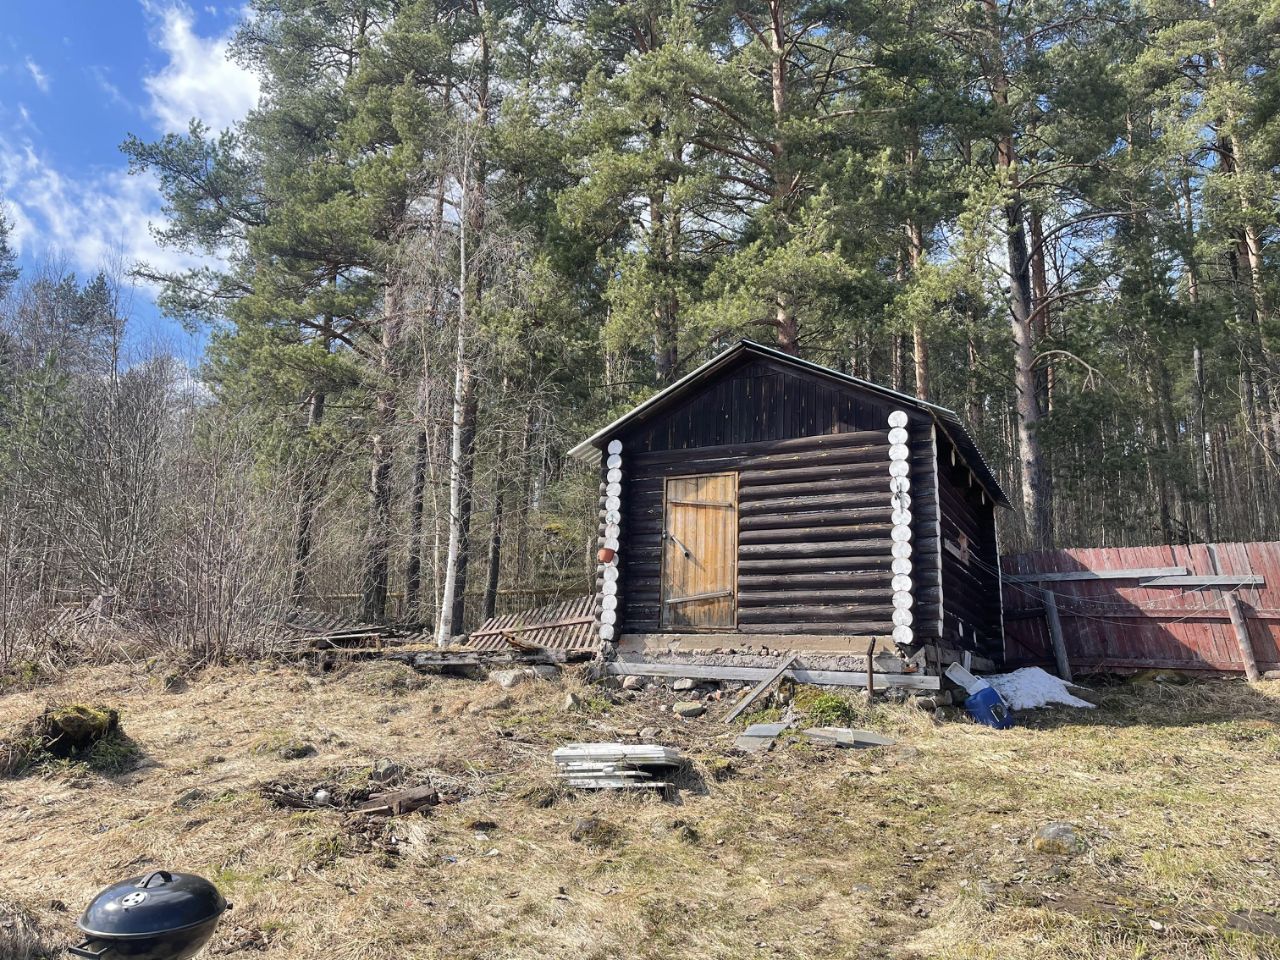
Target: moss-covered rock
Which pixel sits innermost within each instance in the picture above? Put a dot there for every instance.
(71, 730)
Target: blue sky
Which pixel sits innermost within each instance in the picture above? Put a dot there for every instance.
(78, 76)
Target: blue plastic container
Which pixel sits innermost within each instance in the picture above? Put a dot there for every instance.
(987, 706)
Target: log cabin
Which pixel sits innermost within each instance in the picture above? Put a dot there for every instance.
(764, 502)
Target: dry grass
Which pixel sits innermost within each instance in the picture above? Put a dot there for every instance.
(919, 850)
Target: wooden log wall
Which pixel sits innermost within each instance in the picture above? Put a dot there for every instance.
(970, 590)
(813, 533)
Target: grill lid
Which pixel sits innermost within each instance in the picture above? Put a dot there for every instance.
(160, 902)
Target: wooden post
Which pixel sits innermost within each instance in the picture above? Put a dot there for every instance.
(760, 688)
(1242, 636)
(1055, 634)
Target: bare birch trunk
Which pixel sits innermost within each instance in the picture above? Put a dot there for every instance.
(373, 604)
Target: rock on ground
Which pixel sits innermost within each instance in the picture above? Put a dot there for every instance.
(507, 679)
(689, 708)
(1057, 838)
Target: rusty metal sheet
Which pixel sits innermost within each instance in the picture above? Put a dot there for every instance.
(1123, 624)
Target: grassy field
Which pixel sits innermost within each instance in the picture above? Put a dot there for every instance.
(917, 850)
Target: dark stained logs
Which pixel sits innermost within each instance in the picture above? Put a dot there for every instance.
(865, 550)
(840, 626)
(810, 613)
(809, 580)
(760, 598)
(868, 533)
(798, 472)
(813, 531)
(970, 590)
(837, 566)
(813, 507)
(821, 502)
(872, 484)
(816, 518)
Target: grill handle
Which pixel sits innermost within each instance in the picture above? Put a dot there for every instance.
(164, 875)
(85, 950)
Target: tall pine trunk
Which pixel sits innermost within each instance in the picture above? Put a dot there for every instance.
(1037, 494)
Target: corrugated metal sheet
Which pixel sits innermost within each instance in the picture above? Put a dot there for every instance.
(570, 625)
(1118, 624)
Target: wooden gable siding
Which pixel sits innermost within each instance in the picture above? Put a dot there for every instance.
(970, 591)
(759, 402)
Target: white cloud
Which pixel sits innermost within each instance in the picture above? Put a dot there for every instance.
(102, 78)
(198, 80)
(39, 76)
(90, 221)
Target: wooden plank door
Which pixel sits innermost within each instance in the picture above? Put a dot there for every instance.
(700, 552)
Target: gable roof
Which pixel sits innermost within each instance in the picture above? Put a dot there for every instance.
(946, 420)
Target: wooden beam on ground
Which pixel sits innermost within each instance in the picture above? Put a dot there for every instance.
(835, 678)
(1241, 626)
(758, 689)
(1055, 634)
(1140, 573)
(1214, 580)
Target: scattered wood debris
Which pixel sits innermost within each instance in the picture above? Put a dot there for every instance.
(399, 802)
(844, 737)
(615, 766)
(567, 627)
(364, 801)
(760, 736)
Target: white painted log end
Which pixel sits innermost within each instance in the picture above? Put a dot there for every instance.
(615, 446)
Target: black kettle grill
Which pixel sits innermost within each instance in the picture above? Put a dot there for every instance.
(162, 916)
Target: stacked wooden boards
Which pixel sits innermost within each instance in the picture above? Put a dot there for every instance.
(604, 766)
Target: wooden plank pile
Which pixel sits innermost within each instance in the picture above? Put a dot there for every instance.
(616, 766)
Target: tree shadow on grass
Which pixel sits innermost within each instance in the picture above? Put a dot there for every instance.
(1175, 702)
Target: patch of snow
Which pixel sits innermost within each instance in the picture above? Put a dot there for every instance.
(1031, 687)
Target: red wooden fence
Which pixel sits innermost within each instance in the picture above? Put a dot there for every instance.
(1122, 624)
